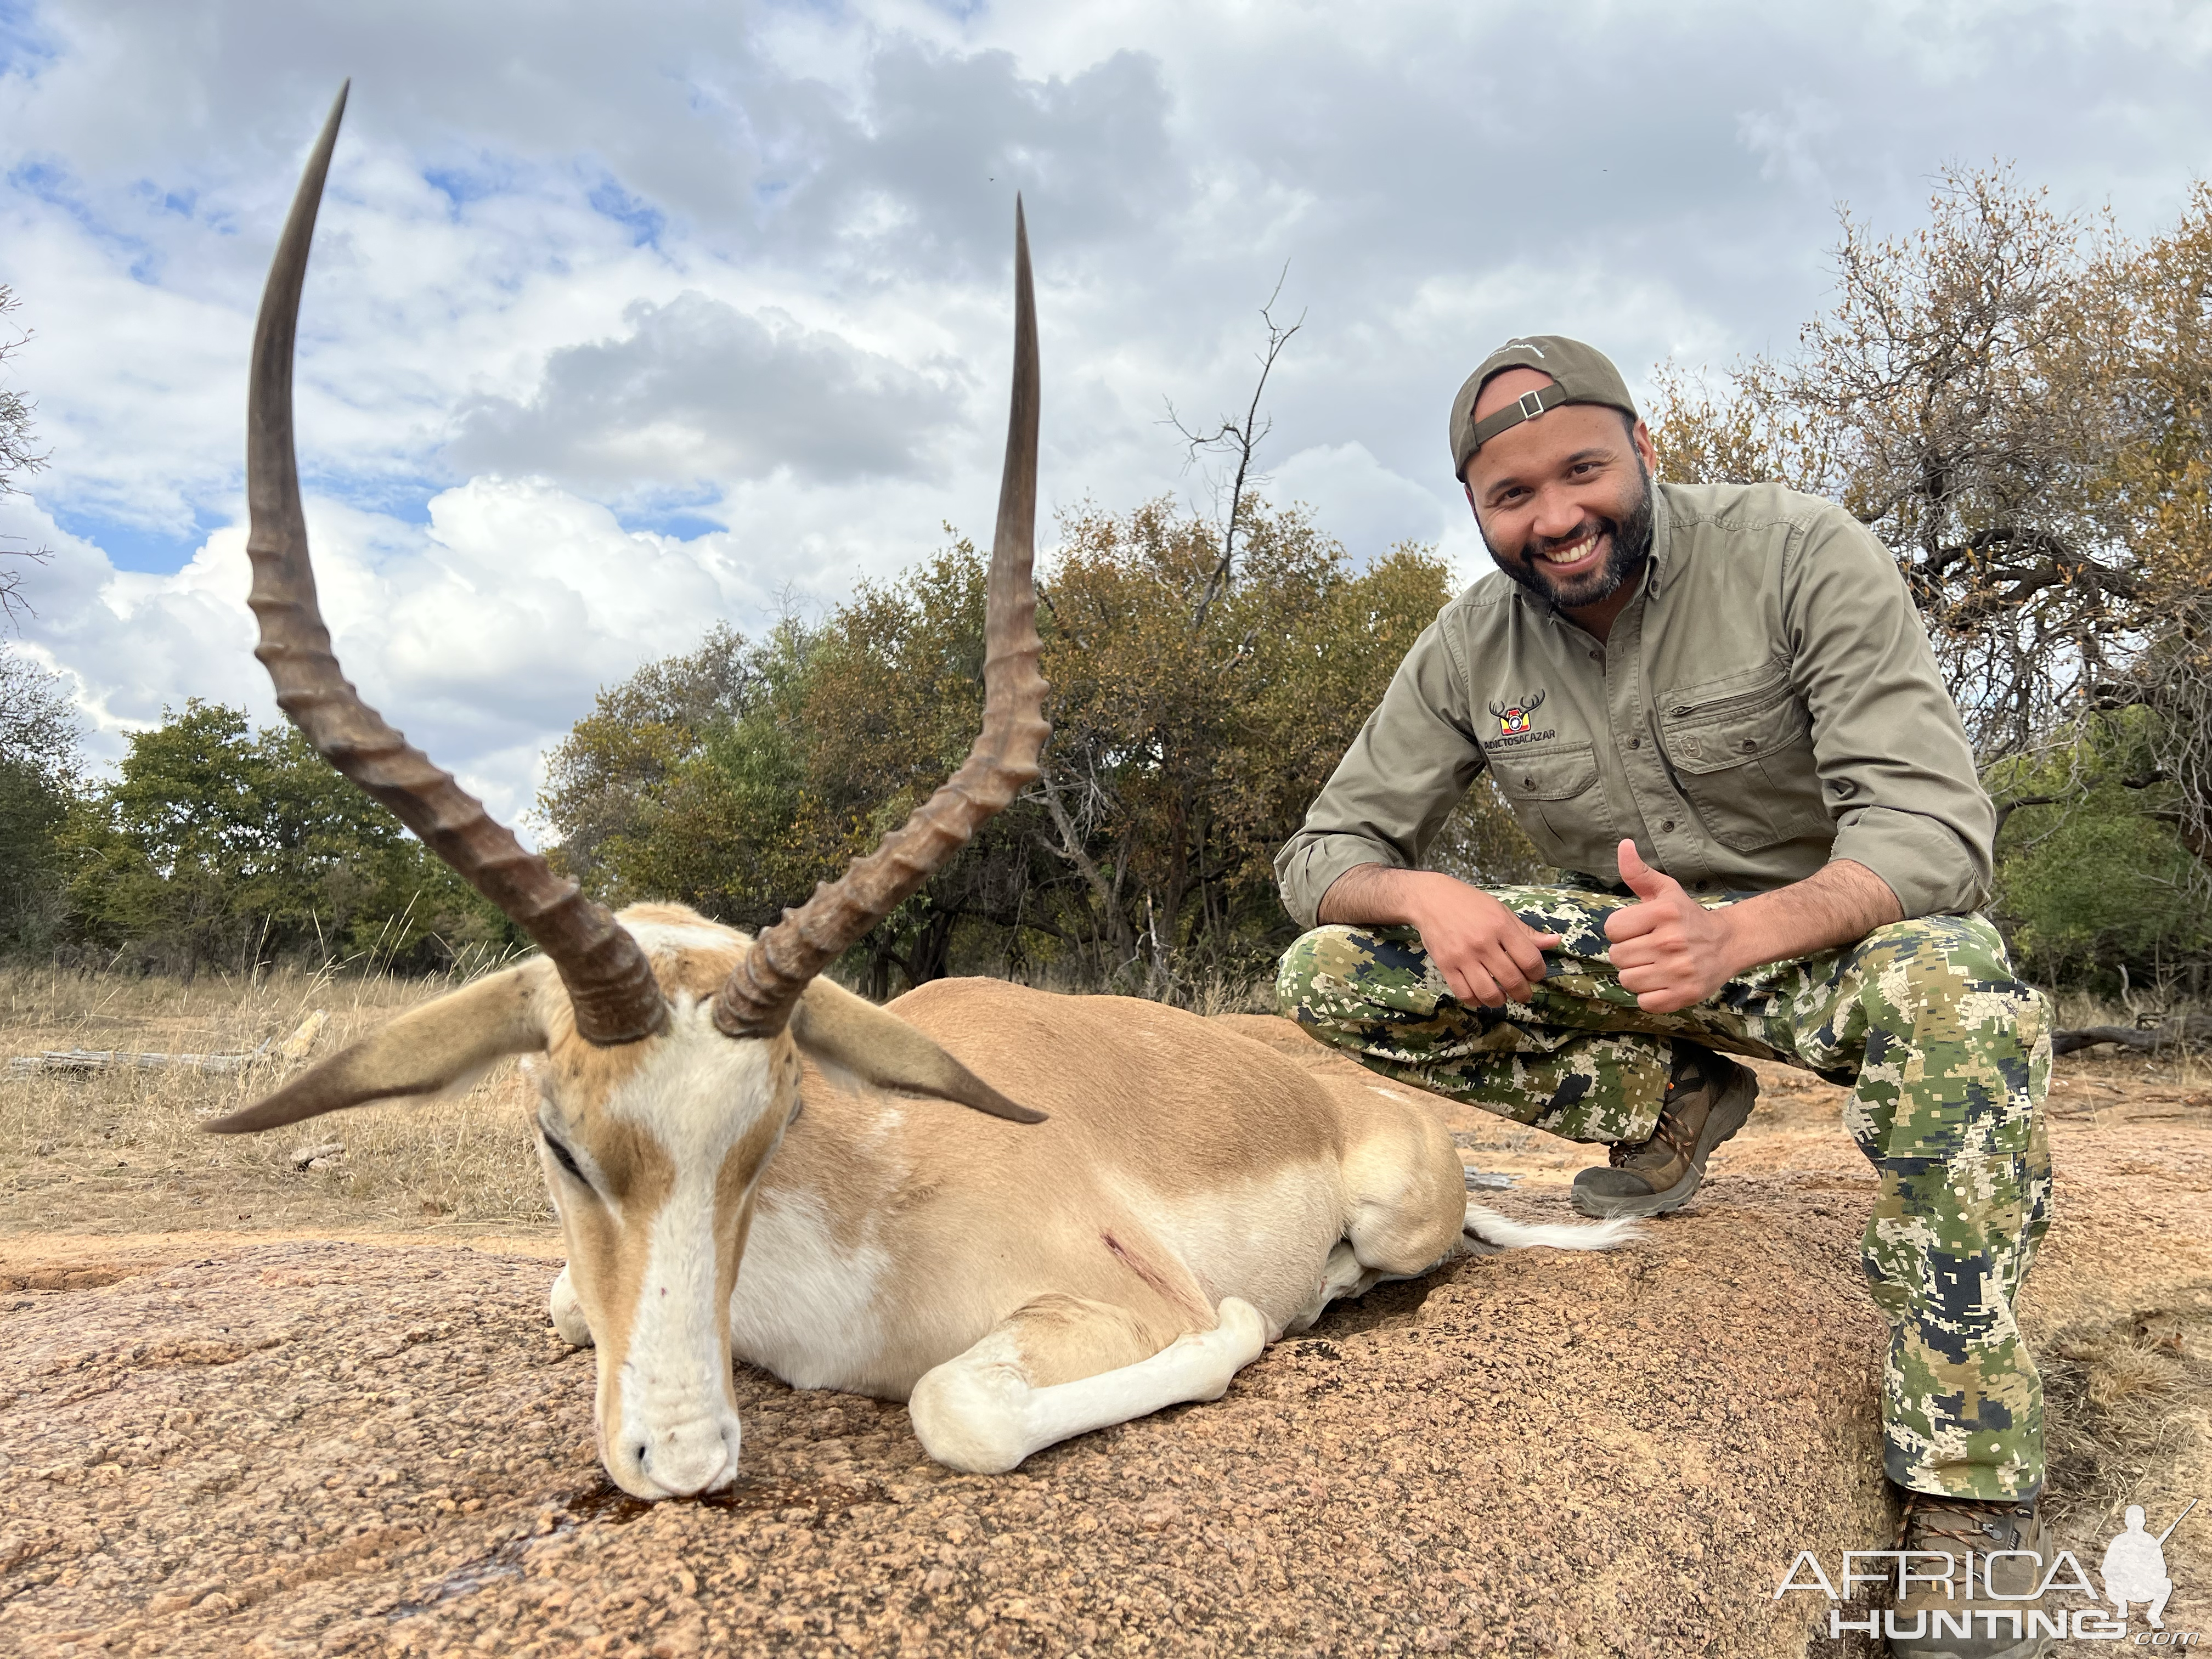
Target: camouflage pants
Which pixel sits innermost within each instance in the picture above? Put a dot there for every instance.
(1948, 1056)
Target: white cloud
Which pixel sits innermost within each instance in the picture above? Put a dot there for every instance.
(749, 265)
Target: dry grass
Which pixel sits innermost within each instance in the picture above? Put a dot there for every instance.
(2129, 1420)
(121, 1151)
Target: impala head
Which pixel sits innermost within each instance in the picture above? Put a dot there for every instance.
(666, 1048)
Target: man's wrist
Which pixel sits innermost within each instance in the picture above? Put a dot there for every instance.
(1842, 901)
(1377, 895)
(1746, 942)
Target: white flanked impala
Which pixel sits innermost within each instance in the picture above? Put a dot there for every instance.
(1166, 1198)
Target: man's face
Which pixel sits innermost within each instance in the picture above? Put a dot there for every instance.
(1564, 502)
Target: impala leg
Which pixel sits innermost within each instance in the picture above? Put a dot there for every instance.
(1062, 1366)
(1408, 1206)
(567, 1312)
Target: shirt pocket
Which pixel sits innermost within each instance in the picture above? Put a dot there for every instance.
(1558, 801)
(1743, 749)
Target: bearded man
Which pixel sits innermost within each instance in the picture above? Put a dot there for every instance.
(1714, 709)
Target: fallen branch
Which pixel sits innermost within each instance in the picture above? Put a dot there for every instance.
(294, 1046)
(2185, 1028)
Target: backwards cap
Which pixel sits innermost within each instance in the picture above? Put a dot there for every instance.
(1580, 374)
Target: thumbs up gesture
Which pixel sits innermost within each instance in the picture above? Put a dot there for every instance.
(1667, 947)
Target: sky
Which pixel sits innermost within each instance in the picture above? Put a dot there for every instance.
(625, 321)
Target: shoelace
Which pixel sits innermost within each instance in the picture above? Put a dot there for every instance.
(1666, 1132)
(1923, 1506)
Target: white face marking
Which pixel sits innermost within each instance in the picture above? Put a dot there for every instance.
(696, 1096)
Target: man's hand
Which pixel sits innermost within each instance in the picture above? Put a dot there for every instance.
(1673, 951)
(1668, 948)
(1487, 955)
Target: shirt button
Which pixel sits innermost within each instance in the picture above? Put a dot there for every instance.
(1636, 743)
(1597, 656)
(1668, 825)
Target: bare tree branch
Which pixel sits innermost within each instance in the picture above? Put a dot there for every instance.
(1238, 438)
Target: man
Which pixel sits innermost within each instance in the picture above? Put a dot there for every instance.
(1715, 709)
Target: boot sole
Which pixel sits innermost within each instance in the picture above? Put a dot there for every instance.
(1730, 1113)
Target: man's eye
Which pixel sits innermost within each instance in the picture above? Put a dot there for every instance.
(565, 1158)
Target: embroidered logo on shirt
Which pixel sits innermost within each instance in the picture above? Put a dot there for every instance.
(1513, 717)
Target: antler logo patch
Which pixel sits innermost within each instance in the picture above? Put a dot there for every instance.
(1513, 717)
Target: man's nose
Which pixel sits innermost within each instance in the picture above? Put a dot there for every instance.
(1558, 514)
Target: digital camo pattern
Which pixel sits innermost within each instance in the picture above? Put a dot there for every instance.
(1948, 1056)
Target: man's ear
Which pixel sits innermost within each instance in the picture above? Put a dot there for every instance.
(837, 1029)
(425, 1051)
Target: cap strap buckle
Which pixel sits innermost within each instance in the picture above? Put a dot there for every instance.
(1527, 407)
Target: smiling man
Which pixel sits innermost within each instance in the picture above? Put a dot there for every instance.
(1714, 709)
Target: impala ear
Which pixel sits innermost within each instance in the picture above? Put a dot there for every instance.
(425, 1051)
(836, 1029)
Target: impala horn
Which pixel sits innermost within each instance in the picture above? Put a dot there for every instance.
(610, 984)
(757, 998)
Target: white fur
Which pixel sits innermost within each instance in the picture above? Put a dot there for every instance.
(677, 1431)
(979, 1412)
(1492, 1228)
(805, 1308)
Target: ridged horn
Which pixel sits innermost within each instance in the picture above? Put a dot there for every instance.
(610, 983)
(757, 998)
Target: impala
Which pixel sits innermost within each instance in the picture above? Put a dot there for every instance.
(1135, 1203)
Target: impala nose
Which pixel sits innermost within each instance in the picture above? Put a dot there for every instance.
(688, 1458)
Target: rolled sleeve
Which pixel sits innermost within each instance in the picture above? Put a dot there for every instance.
(1894, 764)
(1413, 759)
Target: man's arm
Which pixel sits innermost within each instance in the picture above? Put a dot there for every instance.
(1673, 951)
(1485, 953)
(1895, 764)
(1410, 760)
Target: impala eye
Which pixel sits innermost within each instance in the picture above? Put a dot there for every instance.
(565, 1158)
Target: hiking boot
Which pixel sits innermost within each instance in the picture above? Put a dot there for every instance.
(1708, 1098)
(1943, 1620)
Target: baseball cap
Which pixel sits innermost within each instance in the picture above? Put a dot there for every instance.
(1581, 375)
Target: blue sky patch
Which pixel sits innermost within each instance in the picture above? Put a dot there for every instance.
(133, 545)
(644, 221)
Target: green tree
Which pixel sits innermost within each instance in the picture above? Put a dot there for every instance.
(2019, 403)
(1198, 703)
(2093, 877)
(217, 845)
(40, 764)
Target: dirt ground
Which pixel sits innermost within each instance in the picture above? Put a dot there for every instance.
(344, 1426)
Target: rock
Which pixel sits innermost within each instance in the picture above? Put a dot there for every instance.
(365, 1448)
(319, 1157)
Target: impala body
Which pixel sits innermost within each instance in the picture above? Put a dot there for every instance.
(747, 1159)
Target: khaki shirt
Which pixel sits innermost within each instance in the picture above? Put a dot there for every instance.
(1767, 702)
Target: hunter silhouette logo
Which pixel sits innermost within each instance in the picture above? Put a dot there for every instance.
(2134, 1566)
(1513, 717)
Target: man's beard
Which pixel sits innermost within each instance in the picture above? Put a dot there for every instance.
(1628, 550)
